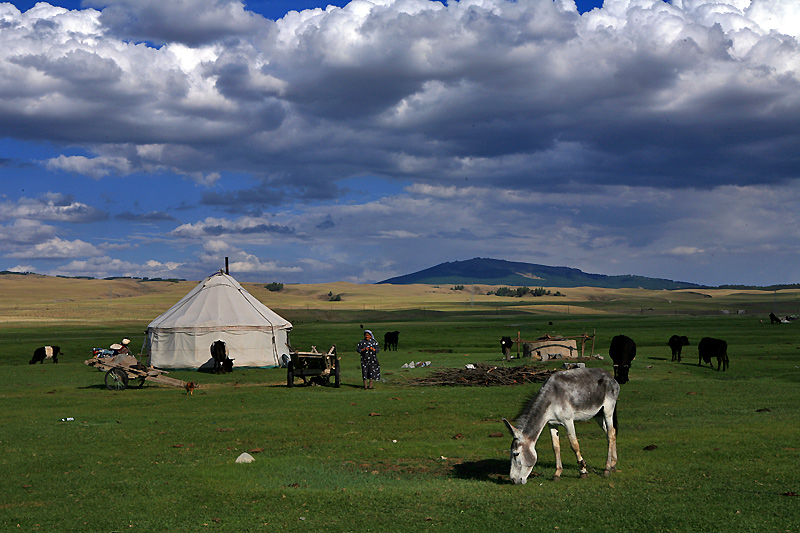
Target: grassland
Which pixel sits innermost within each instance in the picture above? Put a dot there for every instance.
(700, 450)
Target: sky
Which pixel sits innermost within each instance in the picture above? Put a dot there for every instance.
(368, 139)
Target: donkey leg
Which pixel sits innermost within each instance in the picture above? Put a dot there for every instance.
(607, 423)
(557, 452)
(573, 442)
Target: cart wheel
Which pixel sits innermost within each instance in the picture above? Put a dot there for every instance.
(140, 382)
(336, 372)
(116, 379)
(290, 375)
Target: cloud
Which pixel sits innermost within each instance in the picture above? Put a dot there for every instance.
(23, 232)
(53, 207)
(648, 136)
(104, 266)
(55, 248)
(522, 95)
(96, 167)
(145, 218)
(192, 22)
(255, 226)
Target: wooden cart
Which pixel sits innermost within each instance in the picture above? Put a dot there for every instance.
(320, 366)
(126, 371)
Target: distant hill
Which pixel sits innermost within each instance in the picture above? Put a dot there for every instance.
(499, 272)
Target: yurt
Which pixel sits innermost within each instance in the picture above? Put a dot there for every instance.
(217, 309)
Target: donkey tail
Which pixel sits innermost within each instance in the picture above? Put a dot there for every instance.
(614, 420)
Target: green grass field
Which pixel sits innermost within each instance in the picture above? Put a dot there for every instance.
(699, 450)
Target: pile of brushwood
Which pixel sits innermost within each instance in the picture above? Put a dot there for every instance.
(485, 375)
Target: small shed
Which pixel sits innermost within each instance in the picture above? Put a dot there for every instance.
(550, 347)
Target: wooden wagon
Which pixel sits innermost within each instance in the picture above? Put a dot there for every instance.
(321, 367)
(126, 371)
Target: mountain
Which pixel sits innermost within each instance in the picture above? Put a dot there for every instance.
(500, 272)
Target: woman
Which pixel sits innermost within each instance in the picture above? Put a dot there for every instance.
(368, 348)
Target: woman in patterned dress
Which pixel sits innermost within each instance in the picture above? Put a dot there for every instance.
(368, 348)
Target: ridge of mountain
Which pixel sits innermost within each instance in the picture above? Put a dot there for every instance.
(488, 271)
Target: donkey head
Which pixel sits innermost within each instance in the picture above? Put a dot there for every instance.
(523, 455)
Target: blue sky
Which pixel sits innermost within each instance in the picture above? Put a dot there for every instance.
(363, 140)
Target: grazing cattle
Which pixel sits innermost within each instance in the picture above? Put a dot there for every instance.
(222, 363)
(390, 340)
(774, 319)
(677, 343)
(505, 345)
(622, 351)
(567, 396)
(708, 348)
(45, 352)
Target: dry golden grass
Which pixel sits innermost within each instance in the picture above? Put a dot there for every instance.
(35, 298)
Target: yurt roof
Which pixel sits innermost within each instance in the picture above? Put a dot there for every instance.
(219, 301)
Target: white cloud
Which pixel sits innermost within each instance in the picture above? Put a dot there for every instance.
(55, 248)
(189, 21)
(96, 167)
(104, 266)
(52, 206)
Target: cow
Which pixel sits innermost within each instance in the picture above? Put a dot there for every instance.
(45, 352)
(390, 340)
(222, 363)
(622, 351)
(677, 343)
(708, 348)
(774, 319)
(505, 345)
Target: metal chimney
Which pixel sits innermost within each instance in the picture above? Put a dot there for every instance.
(226, 265)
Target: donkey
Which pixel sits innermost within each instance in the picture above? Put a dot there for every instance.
(567, 396)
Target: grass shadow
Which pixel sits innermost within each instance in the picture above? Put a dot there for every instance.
(492, 470)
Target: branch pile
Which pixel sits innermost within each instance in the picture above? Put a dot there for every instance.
(484, 375)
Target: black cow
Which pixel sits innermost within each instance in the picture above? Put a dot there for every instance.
(505, 345)
(708, 348)
(45, 352)
(774, 319)
(622, 352)
(222, 363)
(390, 340)
(677, 343)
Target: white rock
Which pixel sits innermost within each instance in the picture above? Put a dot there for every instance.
(245, 458)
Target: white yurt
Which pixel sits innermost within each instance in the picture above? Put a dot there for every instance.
(217, 309)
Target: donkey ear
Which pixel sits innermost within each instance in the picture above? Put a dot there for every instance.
(517, 434)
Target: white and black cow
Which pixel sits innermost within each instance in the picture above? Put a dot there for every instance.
(390, 340)
(708, 348)
(222, 363)
(622, 351)
(45, 352)
(676, 343)
(505, 345)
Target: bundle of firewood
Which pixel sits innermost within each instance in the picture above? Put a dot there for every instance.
(482, 374)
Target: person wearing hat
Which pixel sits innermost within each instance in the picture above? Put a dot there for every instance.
(368, 348)
(124, 350)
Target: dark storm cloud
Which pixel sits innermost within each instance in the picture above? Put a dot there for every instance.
(511, 94)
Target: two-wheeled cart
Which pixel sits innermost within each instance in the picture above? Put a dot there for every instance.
(320, 367)
(126, 371)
